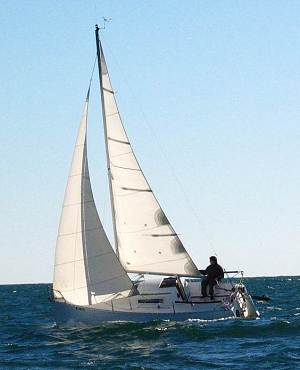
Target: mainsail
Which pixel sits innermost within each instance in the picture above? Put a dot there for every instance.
(145, 240)
(86, 269)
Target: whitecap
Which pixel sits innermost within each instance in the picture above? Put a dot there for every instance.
(273, 308)
(202, 321)
(161, 329)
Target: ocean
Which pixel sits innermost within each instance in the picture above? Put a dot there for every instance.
(29, 338)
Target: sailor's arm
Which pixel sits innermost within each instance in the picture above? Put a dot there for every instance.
(220, 273)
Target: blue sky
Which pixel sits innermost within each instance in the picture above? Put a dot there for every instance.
(209, 93)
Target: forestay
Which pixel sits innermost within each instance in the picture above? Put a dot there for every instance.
(86, 269)
(146, 241)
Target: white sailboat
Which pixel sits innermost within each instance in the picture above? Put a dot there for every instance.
(91, 282)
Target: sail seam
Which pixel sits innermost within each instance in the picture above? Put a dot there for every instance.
(138, 230)
(125, 168)
(120, 155)
(79, 232)
(129, 194)
(79, 203)
(104, 281)
(98, 282)
(112, 114)
(162, 262)
(81, 259)
(78, 174)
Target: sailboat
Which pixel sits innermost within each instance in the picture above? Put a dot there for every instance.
(92, 282)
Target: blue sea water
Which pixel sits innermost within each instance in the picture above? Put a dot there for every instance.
(29, 338)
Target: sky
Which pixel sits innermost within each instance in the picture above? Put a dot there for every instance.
(209, 93)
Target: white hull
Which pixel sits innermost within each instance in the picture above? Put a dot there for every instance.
(77, 315)
(156, 303)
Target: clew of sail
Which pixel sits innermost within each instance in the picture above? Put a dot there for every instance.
(146, 241)
(86, 270)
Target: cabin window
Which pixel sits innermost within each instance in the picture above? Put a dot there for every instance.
(154, 300)
(168, 282)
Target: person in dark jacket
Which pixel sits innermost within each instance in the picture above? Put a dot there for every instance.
(213, 273)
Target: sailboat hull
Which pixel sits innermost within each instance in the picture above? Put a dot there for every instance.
(68, 314)
(157, 302)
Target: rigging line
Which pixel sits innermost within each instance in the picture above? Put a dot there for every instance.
(92, 74)
(179, 184)
(171, 168)
(75, 249)
(83, 226)
(105, 187)
(105, 207)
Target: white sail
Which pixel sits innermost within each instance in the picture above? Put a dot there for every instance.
(146, 241)
(86, 268)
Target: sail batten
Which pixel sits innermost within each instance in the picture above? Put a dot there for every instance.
(135, 207)
(86, 268)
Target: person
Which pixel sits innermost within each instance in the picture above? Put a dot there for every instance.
(213, 273)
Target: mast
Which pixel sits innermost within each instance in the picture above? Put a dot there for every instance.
(105, 138)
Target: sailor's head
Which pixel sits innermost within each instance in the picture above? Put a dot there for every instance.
(213, 260)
